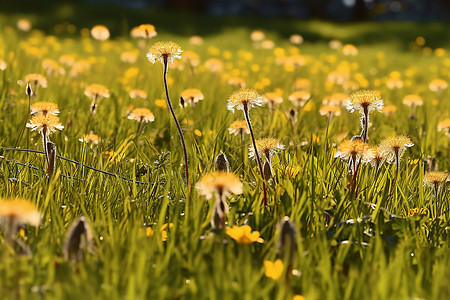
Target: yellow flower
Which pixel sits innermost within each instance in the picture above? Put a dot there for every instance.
(257, 36)
(394, 147)
(274, 269)
(244, 235)
(352, 151)
(298, 297)
(389, 110)
(349, 50)
(237, 81)
(238, 126)
(268, 146)
(100, 32)
(19, 211)
(145, 31)
(219, 182)
(434, 178)
(437, 85)
(192, 96)
(137, 94)
(375, 155)
(273, 97)
(330, 109)
(47, 123)
(161, 103)
(444, 125)
(90, 138)
(196, 40)
(24, 25)
(413, 100)
(44, 108)
(302, 84)
(141, 115)
(214, 65)
(96, 90)
(299, 98)
(37, 79)
(165, 51)
(192, 58)
(244, 99)
(365, 101)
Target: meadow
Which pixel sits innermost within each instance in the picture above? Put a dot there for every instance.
(343, 219)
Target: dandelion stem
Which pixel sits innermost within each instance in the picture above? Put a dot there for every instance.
(258, 159)
(180, 132)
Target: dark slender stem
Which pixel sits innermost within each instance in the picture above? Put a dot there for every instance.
(247, 118)
(397, 167)
(180, 132)
(72, 161)
(366, 124)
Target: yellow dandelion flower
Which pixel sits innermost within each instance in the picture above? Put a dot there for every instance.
(435, 178)
(96, 90)
(23, 25)
(237, 81)
(444, 125)
(389, 110)
(219, 182)
(394, 146)
(244, 235)
(302, 84)
(349, 50)
(413, 100)
(437, 85)
(239, 126)
(100, 32)
(192, 96)
(244, 99)
(44, 108)
(196, 40)
(161, 103)
(19, 211)
(36, 79)
(330, 109)
(418, 211)
(145, 31)
(274, 269)
(376, 156)
(299, 98)
(296, 39)
(165, 51)
(45, 123)
(335, 44)
(192, 58)
(257, 36)
(90, 138)
(214, 65)
(136, 93)
(353, 151)
(141, 115)
(365, 101)
(273, 97)
(298, 297)
(268, 146)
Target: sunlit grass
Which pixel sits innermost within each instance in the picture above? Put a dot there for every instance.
(152, 238)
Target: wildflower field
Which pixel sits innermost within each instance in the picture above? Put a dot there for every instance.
(317, 158)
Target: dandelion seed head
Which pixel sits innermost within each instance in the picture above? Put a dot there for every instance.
(44, 108)
(365, 99)
(244, 98)
(49, 123)
(219, 182)
(164, 49)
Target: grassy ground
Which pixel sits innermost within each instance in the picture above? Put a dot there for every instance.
(391, 255)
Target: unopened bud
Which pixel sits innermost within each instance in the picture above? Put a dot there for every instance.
(78, 240)
(221, 163)
(267, 171)
(29, 91)
(287, 241)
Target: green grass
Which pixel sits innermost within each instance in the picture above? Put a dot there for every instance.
(385, 257)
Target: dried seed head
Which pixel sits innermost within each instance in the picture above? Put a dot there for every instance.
(78, 240)
(221, 163)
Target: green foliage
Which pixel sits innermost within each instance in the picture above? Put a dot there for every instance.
(364, 246)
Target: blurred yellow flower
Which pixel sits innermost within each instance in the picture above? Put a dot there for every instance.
(244, 235)
(274, 269)
(100, 32)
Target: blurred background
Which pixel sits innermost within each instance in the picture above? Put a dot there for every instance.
(334, 10)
